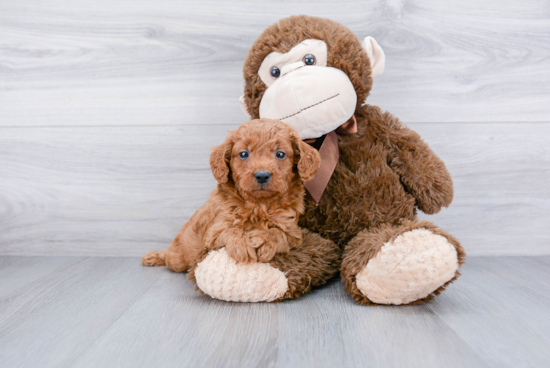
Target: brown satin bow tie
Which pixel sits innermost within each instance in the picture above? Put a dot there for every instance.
(328, 149)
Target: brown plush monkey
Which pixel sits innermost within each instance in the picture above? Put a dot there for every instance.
(315, 75)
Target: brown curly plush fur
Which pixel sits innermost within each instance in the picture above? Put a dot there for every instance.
(385, 172)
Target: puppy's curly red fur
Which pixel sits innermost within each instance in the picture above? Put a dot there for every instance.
(253, 221)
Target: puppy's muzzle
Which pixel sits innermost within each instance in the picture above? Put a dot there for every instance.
(262, 177)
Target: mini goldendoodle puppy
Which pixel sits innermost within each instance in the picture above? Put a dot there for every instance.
(254, 211)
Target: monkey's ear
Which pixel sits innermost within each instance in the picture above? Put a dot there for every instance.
(244, 107)
(376, 56)
(220, 159)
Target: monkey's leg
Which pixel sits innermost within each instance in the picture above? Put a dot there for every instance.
(405, 264)
(286, 276)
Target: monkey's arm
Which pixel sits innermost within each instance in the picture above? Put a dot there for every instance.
(422, 173)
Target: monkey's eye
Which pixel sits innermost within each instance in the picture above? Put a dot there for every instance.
(275, 72)
(309, 59)
(243, 155)
(280, 155)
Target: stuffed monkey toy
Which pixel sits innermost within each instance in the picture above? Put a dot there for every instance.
(360, 219)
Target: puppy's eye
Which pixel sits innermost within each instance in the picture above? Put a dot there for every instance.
(309, 59)
(280, 155)
(243, 155)
(275, 72)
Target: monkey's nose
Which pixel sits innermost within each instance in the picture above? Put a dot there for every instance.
(262, 177)
(291, 67)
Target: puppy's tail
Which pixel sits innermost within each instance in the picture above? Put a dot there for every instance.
(154, 258)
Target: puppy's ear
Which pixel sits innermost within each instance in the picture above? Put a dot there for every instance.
(309, 159)
(220, 159)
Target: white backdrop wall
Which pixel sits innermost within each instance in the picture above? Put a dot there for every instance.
(108, 110)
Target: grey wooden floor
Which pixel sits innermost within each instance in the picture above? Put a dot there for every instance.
(112, 312)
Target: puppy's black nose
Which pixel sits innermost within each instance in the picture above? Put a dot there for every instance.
(262, 177)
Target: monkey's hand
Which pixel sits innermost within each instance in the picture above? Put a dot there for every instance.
(422, 173)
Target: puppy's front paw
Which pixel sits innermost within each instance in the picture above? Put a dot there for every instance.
(257, 238)
(268, 243)
(265, 249)
(242, 251)
(266, 252)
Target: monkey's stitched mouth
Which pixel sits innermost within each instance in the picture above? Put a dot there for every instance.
(309, 107)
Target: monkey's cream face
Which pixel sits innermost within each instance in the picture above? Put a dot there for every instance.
(304, 92)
